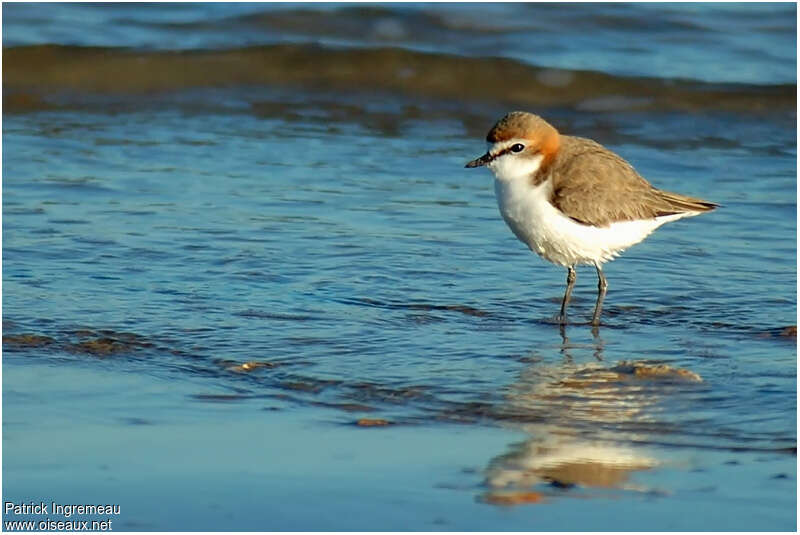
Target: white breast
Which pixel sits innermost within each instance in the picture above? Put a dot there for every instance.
(557, 238)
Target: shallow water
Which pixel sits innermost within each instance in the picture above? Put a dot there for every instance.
(208, 285)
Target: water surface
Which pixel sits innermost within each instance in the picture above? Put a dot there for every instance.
(246, 274)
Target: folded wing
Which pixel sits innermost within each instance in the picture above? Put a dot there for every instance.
(620, 194)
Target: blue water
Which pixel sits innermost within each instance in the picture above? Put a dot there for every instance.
(155, 244)
(720, 42)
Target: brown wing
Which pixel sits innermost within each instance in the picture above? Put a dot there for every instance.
(594, 186)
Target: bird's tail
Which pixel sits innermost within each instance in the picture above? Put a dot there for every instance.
(681, 203)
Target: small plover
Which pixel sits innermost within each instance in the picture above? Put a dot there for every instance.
(571, 200)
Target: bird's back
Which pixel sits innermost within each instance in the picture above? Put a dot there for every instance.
(595, 186)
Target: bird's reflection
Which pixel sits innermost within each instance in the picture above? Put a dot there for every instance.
(583, 417)
(597, 346)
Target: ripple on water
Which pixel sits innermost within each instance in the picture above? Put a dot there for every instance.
(330, 257)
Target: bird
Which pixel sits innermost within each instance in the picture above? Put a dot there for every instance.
(571, 200)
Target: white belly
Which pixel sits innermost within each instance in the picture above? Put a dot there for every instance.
(559, 239)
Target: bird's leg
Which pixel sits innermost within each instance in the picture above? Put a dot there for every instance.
(602, 287)
(599, 343)
(571, 276)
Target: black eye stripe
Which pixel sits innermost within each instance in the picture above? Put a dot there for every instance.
(509, 149)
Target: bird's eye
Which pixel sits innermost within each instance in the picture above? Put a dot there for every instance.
(517, 147)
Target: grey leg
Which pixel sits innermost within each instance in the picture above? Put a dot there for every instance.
(602, 287)
(571, 276)
(599, 343)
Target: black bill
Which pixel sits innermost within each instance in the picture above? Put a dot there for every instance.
(479, 162)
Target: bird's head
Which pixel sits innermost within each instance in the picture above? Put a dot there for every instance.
(520, 145)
